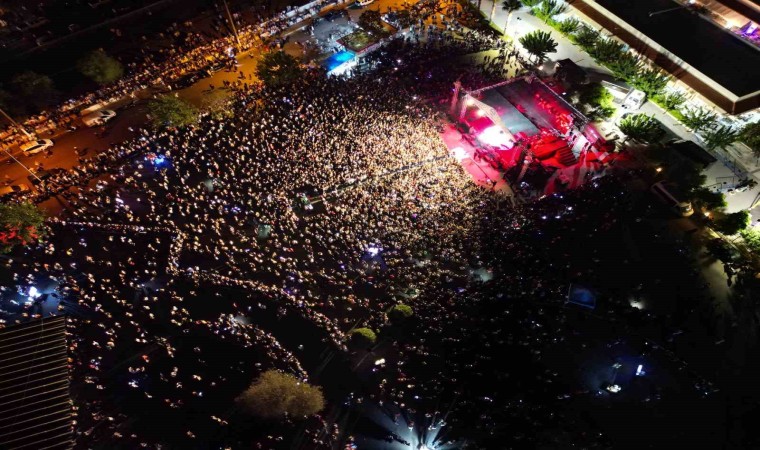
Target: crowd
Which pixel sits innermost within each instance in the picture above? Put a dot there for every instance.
(306, 213)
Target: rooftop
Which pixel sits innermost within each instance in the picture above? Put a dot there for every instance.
(719, 55)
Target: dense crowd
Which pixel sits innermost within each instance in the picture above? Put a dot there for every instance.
(186, 256)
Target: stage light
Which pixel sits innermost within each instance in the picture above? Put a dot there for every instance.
(640, 371)
(424, 447)
(34, 293)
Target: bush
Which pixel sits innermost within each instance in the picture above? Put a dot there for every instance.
(698, 118)
(399, 313)
(363, 337)
(275, 395)
(625, 66)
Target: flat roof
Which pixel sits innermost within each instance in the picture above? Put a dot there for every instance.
(716, 53)
(35, 407)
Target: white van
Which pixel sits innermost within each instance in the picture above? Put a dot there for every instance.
(34, 147)
(99, 117)
(684, 209)
(634, 99)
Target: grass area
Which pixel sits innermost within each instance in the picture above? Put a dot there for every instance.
(359, 40)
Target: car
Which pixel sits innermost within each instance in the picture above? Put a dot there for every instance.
(34, 147)
(11, 191)
(98, 117)
(186, 80)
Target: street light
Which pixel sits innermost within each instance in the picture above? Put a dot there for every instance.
(688, 4)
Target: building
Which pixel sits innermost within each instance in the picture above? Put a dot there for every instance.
(711, 60)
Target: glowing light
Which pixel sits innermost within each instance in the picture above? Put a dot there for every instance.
(494, 136)
(424, 447)
(614, 388)
(34, 293)
(380, 361)
(640, 371)
(373, 251)
(659, 169)
(459, 153)
(469, 101)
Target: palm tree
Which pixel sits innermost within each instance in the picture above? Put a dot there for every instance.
(510, 6)
(641, 127)
(538, 43)
(721, 137)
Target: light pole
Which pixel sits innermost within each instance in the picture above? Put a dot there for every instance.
(22, 165)
(10, 119)
(232, 25)
(688, 4)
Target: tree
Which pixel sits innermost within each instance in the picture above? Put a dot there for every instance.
(398, 313)
(569, 26)
(217, 105)
(672, 100)
(99, 67)
(733, 223)
(275, 395)
(586, 37)
(36, 89)
(171, 111)
(641, 127)
(510, 6)
(548, 9)
(698, 118)
(625, 66)
(404, 18)
(721, 137)
(530, 3)
(371, 20)
(606, 50)
(651, 81)
(599, 99)
(751, 237)
(538, 43)
(277, 68)
(750, 135)
(709, 199)
(363, 337)
(20, 224)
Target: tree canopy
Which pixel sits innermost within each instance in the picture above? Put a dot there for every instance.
(99, 67)
(275, 395)
(586, 37)
(698, 118)
(171, 111)
(733, 223)
(641, 127)
(651, 81)
(721, 137)
(750, 135)
(598, 98)
(400, 312)
(538, 43)
(34, 89)
(363, 337)
(20, 224)
(277, 68)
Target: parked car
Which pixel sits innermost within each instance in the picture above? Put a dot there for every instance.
(99, 117)
(34, 147)
(186, 80)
